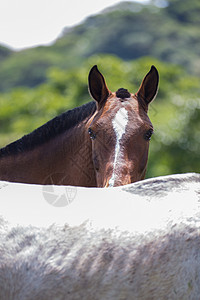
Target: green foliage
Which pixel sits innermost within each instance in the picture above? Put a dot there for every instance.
(175, 144)
(128, 30)
(25, 68)
(23, 110)
(175, 113)
(4, 53)
(186, 11)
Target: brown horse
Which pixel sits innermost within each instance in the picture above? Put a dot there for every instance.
(103, 143)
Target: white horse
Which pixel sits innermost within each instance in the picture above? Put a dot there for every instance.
(140, 241)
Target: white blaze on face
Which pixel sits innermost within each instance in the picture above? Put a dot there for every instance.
(119, 125)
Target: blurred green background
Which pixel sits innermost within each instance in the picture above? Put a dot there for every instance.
(124, 41)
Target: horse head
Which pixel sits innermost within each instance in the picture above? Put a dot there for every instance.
(120, 129)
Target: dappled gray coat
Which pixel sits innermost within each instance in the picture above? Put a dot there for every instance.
(140, 241)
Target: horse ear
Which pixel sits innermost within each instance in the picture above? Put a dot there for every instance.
(97, 86)
(149, 87)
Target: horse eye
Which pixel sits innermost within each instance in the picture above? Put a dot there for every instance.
(148, 135)
(91, 134)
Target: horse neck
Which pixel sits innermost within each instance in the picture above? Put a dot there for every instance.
(65, 159)
(77, 150)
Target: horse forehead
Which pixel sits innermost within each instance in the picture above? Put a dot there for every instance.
(120, 121)
(126, 121)
(112, 107)
(125, 113)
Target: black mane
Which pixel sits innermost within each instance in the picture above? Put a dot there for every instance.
(56, 126)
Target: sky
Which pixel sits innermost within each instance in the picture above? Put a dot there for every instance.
(28, 23)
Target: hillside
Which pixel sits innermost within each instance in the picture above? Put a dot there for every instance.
(4, 53)
(166, 31)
